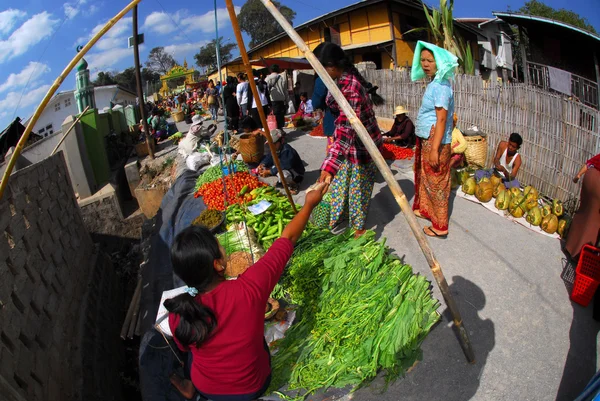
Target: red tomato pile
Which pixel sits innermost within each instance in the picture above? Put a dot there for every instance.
(214, 196)
(317, 131)
(393, 152)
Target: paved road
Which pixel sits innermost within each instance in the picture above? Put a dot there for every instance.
(531, 342)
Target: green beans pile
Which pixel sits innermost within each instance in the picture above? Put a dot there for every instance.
(215, 173)
(362, 311)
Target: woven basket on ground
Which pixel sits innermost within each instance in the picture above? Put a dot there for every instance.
(476, 153)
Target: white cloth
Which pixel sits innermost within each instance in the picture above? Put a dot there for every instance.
(509, 166)
(197, 160)
(560, 80)
(241, 93)
(263, 99)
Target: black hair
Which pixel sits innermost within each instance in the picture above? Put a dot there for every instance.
(516, 138)
(331, 55)
(248, 123)
(232, 82)
(275, 68)
(305, 94)
(193, 255)
(242, 77)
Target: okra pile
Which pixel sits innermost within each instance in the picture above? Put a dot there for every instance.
(361, 311)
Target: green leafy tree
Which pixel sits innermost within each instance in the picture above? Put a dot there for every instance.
(149, 75)
(259, 24)
(538, 8)
(126, 79)
(104, 78)
(160, 61)
(207, 57)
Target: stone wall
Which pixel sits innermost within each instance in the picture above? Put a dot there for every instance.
(46, 256)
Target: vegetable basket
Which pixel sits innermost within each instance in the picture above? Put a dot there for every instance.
(476, 153)
(321, 214)
(587, 275)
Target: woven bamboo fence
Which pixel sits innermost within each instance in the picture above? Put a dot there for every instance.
(559, 135)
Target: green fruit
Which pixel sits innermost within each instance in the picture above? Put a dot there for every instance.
(530, 204)
(497, 189)
(464, 176)
(534, 216)
(563, 227)
(484, 191)
(469, 186)
(546, 210)
(514, 191)
(517, 206)
(557, 207)
(503, 200)
(530, 192)
(495, 180)
(549, 224)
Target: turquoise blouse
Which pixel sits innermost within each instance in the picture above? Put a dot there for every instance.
(437, 94)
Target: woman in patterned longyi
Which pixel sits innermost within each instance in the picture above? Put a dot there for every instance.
(348, 162)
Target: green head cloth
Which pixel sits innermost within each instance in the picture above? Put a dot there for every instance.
(445, 62)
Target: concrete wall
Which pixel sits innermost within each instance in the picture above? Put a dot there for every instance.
(56, 117)
(45, 265)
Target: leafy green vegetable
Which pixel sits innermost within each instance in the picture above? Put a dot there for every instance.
(362, 310)
(215, 173)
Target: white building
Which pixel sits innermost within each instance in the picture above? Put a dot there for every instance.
(63, 105)
(495, 50)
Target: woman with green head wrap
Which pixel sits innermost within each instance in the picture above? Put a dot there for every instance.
(434, 136)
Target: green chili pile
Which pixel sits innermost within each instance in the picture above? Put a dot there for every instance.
(208, 218)
(361, 310)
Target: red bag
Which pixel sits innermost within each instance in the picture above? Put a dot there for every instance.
(271, 122)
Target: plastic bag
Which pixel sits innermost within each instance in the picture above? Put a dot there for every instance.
(197, 160)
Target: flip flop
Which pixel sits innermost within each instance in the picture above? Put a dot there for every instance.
(435, 235)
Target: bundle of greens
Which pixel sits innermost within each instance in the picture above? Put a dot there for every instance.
(362, 311)
(238, 239)
(216, 172)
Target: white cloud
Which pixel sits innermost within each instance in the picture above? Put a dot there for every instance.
(33, 31)
(30, 98)
(93, 9)
(160, 22)
(106, 59)
(71, 10)
(31, 73)
(8, 19)
(184, 49)
(115, 37)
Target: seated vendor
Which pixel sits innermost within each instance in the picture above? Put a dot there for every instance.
(305, 109)
(221, 322)
(507, 162)
(403, 130)
(159, 125)
(291, 164)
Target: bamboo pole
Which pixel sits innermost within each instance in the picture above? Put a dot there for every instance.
(400, 197)
(53, 89)
(261, 112)
(69, 130)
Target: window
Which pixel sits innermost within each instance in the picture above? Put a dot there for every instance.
(41, 131)
(49, 126)
(50, 132)
(57, 107)
(67, 102)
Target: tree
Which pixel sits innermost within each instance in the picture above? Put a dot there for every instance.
(259, 24)
(537, 8)
(149, 75)
(104, 78)
(207, 57)
(160, 61)
(126, 79)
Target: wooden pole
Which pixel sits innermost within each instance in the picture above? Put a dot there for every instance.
(53, 89)
(138, 80)
(400, 197)
(261, 112)
(523, 57)
(69, 130)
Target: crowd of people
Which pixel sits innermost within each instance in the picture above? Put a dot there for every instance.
(204, 319)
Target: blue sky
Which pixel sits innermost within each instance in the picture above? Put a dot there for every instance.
(38, 37)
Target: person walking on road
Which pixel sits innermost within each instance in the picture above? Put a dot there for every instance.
(242, 91)
(277, 84)
(434, 136)
(348, 164)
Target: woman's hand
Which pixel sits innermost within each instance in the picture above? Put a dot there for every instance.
(316, 195)
(576, 179)
(387, 140)
(434, 158)
(325, 177)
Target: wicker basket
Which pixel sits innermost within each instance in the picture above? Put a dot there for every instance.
(177, 116)
(251, 148)
(476, 153)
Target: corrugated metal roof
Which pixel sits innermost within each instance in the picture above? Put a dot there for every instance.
(515, 18)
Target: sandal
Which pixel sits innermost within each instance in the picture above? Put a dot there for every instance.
(428, 230)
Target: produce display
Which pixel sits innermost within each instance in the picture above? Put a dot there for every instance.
(216, 172)
(497, 189)
(208, 218)
(469, 186)
(394, 152)
(534, 216)
(502, 200)
(549, 224)
(363, 310)
(238, 187)
(484, 190)
(269, 224)
(176, 137)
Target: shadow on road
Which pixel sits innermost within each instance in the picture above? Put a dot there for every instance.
(384, 207)
(444, 372)
(580, 365)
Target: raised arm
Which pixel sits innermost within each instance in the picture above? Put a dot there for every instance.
(294, 229)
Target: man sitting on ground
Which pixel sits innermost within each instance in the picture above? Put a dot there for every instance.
(507, 162)
(403, 130)
(291, 164)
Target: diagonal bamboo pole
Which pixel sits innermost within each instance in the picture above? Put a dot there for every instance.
(69, 130)
(54, 88)
(261, 112)
(400, 197)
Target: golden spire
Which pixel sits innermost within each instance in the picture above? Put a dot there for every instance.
(185, 64)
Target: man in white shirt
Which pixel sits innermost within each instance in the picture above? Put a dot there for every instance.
(241, 93)
(278, 88)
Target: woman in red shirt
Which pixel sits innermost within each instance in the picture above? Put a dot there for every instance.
(222, 322)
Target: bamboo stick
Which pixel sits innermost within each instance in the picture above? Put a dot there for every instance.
(54, 88)
(69, 130)
(132, 306)
(261, 112)
(400, 197)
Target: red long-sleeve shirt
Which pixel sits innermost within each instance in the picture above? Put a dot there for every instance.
(233, 360)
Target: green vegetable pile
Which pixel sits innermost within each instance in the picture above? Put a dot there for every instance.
(176, 137)
(362, 311)
(215, 173)
(269, 224)
(208, 218)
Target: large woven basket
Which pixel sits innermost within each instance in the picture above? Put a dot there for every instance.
(476, 153)
(252, 148)
(177, 116)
